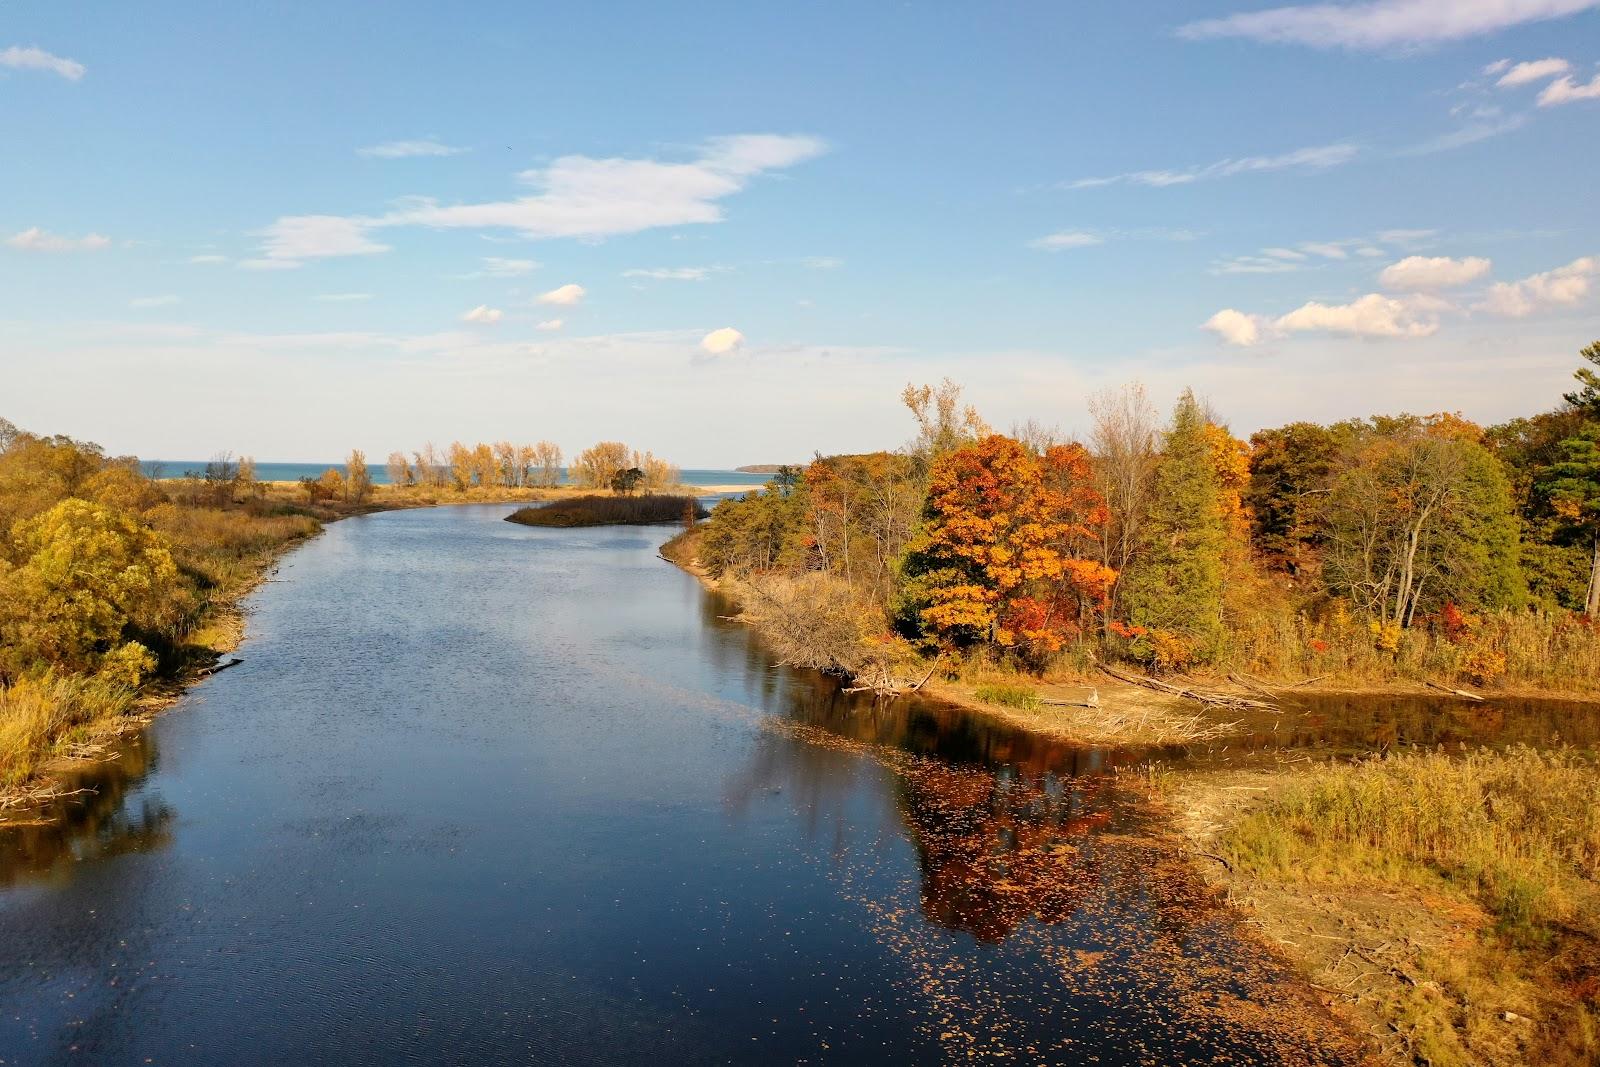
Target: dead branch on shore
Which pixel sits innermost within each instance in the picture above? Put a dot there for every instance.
(32, 798)
(1308, 681)
(1092, 702)
(1219, 700)
(1255, 686)
(218, 668)
(1453, 692)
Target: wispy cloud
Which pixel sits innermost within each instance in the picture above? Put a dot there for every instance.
(578, 196)
(1382, 24)
(676, 274)
(497, 267)
(1309, 254)
(1567, 91)
(1480, 130)
(1056, 242)
(1317, 157)
(409, 149)
(35, 58)
(1533, 70)
(36, 240)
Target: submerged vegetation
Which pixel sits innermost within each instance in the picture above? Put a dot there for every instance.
(611, 511)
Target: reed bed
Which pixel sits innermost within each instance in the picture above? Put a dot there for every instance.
(39, 716)
(611, 511)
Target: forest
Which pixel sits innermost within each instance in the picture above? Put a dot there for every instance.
(1389, 547)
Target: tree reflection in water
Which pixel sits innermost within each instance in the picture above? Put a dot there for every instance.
(47, 845)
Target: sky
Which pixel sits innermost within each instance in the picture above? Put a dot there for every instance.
(732, 233)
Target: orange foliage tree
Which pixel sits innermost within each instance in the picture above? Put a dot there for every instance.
(1004, 553)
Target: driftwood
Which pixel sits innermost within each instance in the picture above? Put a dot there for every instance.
(1252, 684)
(206, 672)
(1092, 702)
(1308, 681)
(1220, 700)
(1453, 692)
(885, 685)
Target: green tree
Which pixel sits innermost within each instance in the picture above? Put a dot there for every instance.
(1573, 487)
(1290, 471)
(1587, 395)
(1173, 592)
(625, 481)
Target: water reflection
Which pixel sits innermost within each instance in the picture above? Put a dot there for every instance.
(112, 819)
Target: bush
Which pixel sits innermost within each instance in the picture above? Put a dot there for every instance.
(1009, 695)
(609, 511)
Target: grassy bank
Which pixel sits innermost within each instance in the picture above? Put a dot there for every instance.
(595, 510)
(1449, 904)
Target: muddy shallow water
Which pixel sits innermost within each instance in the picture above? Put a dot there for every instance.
(491, 793)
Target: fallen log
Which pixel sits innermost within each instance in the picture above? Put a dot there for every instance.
(206, 672)
(1308, 681)
(1212, 699)
(1092, 702)
(1453, 692)
(1248, 683)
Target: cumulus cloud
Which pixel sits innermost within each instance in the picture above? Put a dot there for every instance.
(408, 149)
(1533, 70)
(142, 302)
(1235, 327)
(483, 314)
(1317, 157)
(551, 325)
(1373, 315)
(300, 237)
(564, 295)
(722, 342)
(1382, 24)
(36, 240)
(1425, 273)
(35, 58)
(575, 196)
(1561, 287)
(1055, 242)
(1567, 91)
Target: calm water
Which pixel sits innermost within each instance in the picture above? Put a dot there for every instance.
(293, 472)
(490, 793)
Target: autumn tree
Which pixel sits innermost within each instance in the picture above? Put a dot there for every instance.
(82, 580)
(594, 467)
(430, 466)
(943, 424)
(505, 463)
(400, 471)
(1125, 440)
(547, 456)
(859, 512)
(658, 473)
(1173, 594)
(357, 480)
(1291, 470)
(462, 465)
(1005, 556)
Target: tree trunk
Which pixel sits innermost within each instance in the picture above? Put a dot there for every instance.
(1593, 603)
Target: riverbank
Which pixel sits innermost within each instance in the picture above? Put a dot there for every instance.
(53, 726)
(1444, 904)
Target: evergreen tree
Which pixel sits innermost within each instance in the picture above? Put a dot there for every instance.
(1587, 396)
(1573, 488)
(1173, 593)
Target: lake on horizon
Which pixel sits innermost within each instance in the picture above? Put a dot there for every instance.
(486, 793)
(293, 472)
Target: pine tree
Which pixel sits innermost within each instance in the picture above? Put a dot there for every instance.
(1587, 397)
(1173, 593)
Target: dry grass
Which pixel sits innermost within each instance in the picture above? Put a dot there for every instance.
(1450, 905)
(610, 511)
(40, 717)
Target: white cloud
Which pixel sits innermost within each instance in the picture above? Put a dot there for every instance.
(1055, 242)
(1533, 70)
(1235, 327)
(722, 342)
(577, 196)
(1328, 249)
(343, 298)
(300, 237)
(37, 240)
(823, 262)
(497, 267)
(1561, 287)
(208, 259)
(408, 149)
(564, 296)
(1481, 129)
(680, 274)
(36, 58)
(1373, 315)
(1567, 91)
(1497, 66)
(165, 300)
(551, 325)
(483, 314)
(1317, 157)
(1382, 24)
(1424, 273)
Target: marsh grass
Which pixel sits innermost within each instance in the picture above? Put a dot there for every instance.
(1009, 694)
(1517, 831)
(609, 511)
(39, 716)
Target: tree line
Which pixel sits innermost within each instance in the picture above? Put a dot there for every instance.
(1418, 539)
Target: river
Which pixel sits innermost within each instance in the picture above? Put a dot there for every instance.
(482, 793)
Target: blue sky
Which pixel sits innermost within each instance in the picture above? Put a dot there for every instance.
(731, 233)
